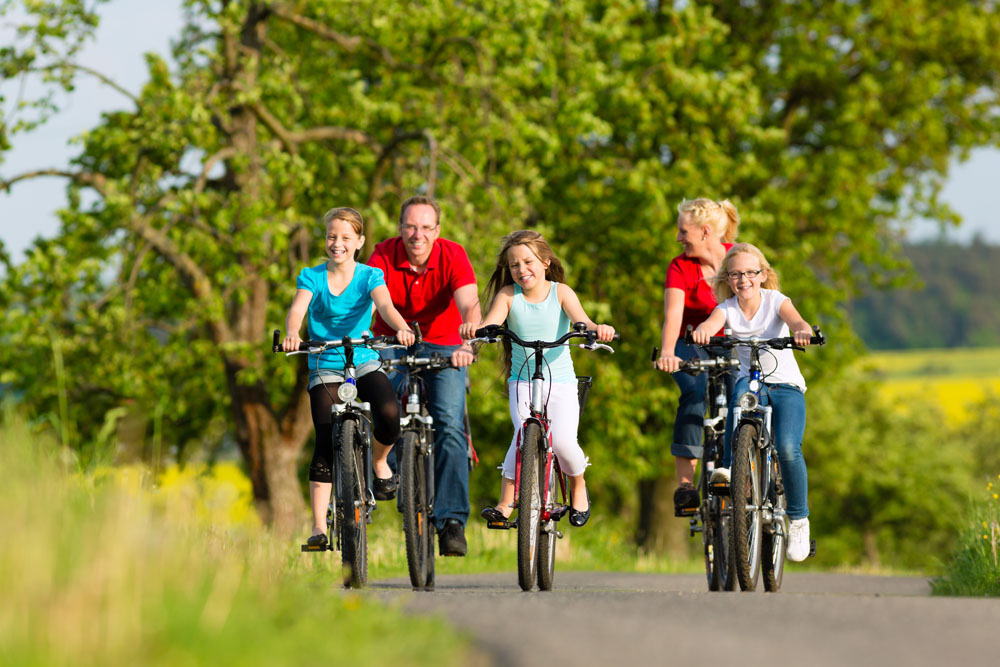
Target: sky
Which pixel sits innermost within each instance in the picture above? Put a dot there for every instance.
(130, 28)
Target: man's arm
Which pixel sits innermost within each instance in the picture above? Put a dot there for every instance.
(467, 301)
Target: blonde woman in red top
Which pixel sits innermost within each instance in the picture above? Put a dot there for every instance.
(706, 229)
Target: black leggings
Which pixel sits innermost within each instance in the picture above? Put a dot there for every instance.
(373, 388)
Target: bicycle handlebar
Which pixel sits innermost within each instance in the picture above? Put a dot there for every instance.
(775, 343)
(696, 366)
(433, 362)
(490, 333)
(314, 346)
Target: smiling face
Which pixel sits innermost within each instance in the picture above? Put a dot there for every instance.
(693, 237)
(419, 229)
(342, 241)
(525, 267)
(745, 276)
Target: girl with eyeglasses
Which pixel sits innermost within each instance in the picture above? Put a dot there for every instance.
(706, 229)
(750, 304)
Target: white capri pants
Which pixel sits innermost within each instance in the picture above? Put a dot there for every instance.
(564, 420)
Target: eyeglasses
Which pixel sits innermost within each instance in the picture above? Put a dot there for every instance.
(413, 229)
(750, 275)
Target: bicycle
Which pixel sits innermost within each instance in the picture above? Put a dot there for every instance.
(415, 459)
(759, 529)
(714, 512)
(538, 509)
(347, 518)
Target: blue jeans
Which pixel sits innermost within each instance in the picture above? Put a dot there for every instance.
(788, 421)
(445, 393)
(689, 427)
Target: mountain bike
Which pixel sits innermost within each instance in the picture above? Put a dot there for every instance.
(537, 471)
(759, 524)
(713, 513)
(347, 518)
(415, 459)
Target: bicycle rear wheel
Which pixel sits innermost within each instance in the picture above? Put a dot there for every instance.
(415, 505)
(773, 556)
(746, 502)
(351, 493)
(547, 538)
(529, 507)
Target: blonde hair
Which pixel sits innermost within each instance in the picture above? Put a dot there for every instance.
(348, 215)
(720, 216)
(720, 281)
(501, 274)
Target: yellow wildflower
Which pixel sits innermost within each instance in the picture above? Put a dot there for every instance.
(996, 496)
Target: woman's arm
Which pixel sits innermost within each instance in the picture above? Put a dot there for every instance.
(801, 330)
(571, 305)
(391, 316)
(673, 315)
(293, 321)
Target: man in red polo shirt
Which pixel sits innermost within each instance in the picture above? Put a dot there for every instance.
(431, 280)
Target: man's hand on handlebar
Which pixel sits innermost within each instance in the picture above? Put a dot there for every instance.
(463, 356)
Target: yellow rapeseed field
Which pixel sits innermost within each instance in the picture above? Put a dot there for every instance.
(956, 379)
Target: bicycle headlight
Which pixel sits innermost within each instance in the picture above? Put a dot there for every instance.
(347, 392)
(748, 401)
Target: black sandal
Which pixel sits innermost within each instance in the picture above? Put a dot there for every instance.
(495, 518)
(317, 541)
(578, 518)
(385, 489)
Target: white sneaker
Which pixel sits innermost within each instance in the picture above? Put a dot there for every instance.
(719, 476)
(798, 540)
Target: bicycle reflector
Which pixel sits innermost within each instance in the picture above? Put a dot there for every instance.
(748, 401)
(348, 391)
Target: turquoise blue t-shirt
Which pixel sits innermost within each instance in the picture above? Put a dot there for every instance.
(539, 321)
(333, 317)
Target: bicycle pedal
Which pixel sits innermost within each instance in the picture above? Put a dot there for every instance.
(310, 547)
(499, 525)
(719, 489)
(812, 548)
(558, 512)
(685, 511)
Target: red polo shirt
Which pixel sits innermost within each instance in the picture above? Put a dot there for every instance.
(428, 297)
(684, 274)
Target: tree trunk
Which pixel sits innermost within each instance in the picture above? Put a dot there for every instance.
(659, 531)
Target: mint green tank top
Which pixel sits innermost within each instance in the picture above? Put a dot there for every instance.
(539, 321)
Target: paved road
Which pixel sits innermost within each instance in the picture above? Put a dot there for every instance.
(596, 618)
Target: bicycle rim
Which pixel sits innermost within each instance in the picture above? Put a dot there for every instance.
(529, 507)
(354, 528)
(416, 513)
(746, 502)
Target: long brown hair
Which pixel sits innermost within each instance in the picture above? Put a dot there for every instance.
(501, 274)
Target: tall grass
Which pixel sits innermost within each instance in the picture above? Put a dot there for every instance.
(975, 568)
(110, 569)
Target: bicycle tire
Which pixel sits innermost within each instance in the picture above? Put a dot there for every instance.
(723, 544)
(774, 541)
(529, 507)
(414, 503)
(708, 531)
(354, 528)
(746, 502)
(547, 538)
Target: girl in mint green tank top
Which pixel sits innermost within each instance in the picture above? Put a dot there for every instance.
(527, 292)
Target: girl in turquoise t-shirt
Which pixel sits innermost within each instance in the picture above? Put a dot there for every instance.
(529, 295)
(338, 296)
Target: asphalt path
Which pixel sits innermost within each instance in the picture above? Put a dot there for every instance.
(601, 618)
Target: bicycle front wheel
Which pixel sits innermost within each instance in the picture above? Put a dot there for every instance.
(549, 535)
(746, 502)
(415, 504)
(351, 492)
(529, 507)
(773, 556)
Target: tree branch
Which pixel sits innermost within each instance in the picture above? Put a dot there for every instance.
(93, 179)
(87, 70)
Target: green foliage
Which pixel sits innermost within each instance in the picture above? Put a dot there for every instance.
(956, 285)
(112, 569)
(974, 568)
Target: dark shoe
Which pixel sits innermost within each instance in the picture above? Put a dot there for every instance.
(385, 489)
(317, 541)
(686, 498)
(451, 538)
(495, 518)
(576, 517)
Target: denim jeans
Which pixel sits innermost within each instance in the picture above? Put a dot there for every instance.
(689, 429)
(445, 393)
(788, 421)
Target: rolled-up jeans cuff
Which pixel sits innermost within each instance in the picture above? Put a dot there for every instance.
(686, 451)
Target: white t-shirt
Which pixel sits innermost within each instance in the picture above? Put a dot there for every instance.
(777, 366)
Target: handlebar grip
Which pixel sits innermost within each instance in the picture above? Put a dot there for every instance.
(656, 355)
(617, 337)
(819, 338)
(486, 332)
(687, 335)
(276, 342)
(416, 330)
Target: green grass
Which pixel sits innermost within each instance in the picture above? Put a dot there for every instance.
(111, 569)
(965, 361)
(974, 570)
